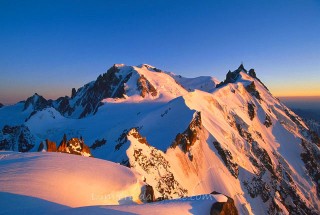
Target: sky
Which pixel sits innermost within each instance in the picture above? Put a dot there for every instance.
(49, 47)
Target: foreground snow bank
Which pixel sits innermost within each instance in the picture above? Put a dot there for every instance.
(200, 204)
(68, 180)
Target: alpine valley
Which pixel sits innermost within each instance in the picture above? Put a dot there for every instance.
(174, 137)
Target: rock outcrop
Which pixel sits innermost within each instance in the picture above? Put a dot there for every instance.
(48, 146)
(147, 194)
(224, 208)
(232, 77)
(16, 138)
(151, 163)
(74, 146)
(145, 87)
(251, 88)
(186, 139)
(98, 143)
(227, 158)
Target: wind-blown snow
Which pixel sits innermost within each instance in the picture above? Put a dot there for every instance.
(197, 205)
(68, 180)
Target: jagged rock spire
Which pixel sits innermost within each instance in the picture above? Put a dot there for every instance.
(252, 73)
(241, 67)
(73, 93)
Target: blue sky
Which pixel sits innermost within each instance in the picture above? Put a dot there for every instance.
(49, 47)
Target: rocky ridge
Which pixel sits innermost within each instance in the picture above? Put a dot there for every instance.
(74, 146)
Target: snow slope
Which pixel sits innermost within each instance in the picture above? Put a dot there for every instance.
(68, 180)
(204, 83)
(197, 205)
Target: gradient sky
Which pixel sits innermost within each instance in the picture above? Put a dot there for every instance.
(49, 47)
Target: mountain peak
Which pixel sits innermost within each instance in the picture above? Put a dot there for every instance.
(119, 65)
(232, 77)
(241, 67)
(149, 67)
(37, 101)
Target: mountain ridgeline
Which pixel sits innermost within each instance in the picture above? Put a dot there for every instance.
(185, 136)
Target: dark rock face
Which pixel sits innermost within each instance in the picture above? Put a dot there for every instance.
(312, 121)
(73, 93)
(224, 208)
(263, 156)
(232, 77)
(63, 106)
(268, 121)
(257, 187)
(297, 120)
(1, 105)
(241, 68)
(251, 88)
(108, 85)
(38, 102)
(251, 111)
(227, 158)
(51, 146)
(16, 138)
(315, 137)
(157, 70)
(186, 139)
(122, 139)
(252, 73)
(98, 143)
(147, 194)
(146, 87)
(24, 144)
(312, 162)
(41, 147)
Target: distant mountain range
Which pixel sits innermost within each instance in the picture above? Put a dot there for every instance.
(306, 107)
(184, 136)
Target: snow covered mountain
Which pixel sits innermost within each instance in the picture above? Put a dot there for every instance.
(185, 136)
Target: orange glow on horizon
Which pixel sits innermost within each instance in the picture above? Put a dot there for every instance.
(293, 91)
